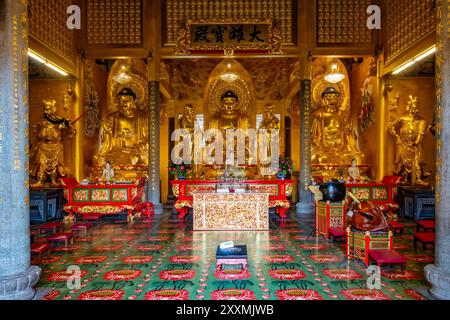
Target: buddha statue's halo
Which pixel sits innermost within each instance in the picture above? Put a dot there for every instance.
(229, 75)
(319, 85)
(138, 83)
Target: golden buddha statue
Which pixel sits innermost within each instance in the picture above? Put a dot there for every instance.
(409, 131)
(333, 138)
(228, 115)
(124, 139)
(48, 154)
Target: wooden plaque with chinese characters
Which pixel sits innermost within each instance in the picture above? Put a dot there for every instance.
(231, 211)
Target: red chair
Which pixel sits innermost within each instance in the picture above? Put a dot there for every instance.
(426, 238)
(426, 225)
(388, 257)
(40, 249)
(52, 226)
(337, 233)
(62, 237)
(396, 227)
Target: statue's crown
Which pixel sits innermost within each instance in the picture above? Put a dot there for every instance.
(330, 90)
(127, 92)
(49, 102)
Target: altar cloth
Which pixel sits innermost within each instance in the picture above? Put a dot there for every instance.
(231, 212)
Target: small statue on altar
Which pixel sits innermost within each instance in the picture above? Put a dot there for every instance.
(333, 138)
(354, 173)
(48, 154)
(125, 133)
(108, 172)
(409, 131)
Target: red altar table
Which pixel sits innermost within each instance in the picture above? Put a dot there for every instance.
(278, 190)
(103, 199)
(377, 193)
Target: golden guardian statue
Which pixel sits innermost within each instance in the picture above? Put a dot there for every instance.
(409, 131)
(48, 154)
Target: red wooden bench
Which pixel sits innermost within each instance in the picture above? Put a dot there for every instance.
(337, 233)
(83, 228)
(92, 218)
(62, 237)
(52, 226)
(388, 257)
(426, 225)
(425, 238)
(40, 249)
(396, 227)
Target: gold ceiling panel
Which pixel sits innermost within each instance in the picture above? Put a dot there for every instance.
(47, 23)
(407, 22)
(115, 23)
(281, 11)
(343, 22)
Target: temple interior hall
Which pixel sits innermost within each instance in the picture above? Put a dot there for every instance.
(224, 150)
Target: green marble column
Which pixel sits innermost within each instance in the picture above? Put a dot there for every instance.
(17, 277)
(154, 187)
(305, 206)
(439, 273)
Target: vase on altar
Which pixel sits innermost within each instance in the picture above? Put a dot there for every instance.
(281, 176)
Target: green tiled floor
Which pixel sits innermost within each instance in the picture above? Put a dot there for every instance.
(162, 258)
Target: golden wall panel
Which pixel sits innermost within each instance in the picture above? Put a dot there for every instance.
(115, 22)
(178, 11)
(343, 22)
(407, 22)
(48, 24)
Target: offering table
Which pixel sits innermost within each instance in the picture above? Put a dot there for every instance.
(231, 211)
(278, 190)
(94, 199)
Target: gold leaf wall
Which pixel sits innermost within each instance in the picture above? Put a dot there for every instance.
(407, 23)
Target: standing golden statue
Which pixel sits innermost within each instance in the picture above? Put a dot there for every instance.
(187, 121)
(409, 131)
(124, 139)
(333, 137)
(270, 121)
(271, 124)
(48, 154)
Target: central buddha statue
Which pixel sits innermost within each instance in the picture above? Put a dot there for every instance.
(228, 115)
(124, 139)
(333, 138)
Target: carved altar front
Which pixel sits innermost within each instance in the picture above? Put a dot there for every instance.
(231, 211)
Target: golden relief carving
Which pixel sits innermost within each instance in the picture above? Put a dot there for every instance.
(283, 11)
(47, 22)
(407, 22)
(116, 22)
(343, 22)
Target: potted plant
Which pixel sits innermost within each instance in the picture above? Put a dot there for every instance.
(181, 170)
(285, 167)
